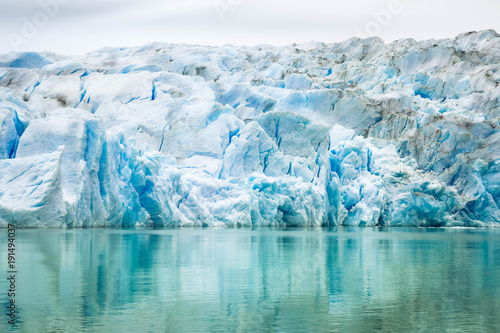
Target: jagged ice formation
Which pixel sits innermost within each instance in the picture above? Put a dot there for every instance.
(358, 133)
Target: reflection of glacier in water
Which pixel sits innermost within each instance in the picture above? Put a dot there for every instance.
(257, 280)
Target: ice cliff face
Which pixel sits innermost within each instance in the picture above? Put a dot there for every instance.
(358, 133)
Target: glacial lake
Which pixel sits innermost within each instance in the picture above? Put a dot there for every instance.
(255, 280)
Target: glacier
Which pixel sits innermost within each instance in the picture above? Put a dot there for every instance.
(356, 133)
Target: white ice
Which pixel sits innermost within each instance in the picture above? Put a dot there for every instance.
(358, 133)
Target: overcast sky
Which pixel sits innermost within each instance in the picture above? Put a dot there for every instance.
(78, 26)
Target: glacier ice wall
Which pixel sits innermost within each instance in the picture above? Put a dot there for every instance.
(358, 133)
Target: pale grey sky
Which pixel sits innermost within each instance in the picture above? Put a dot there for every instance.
(78, 26)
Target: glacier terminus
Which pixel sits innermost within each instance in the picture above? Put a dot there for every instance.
(356, 133)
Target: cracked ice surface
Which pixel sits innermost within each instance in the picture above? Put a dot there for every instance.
(357, 133)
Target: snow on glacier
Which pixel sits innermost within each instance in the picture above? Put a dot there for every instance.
(357, 133)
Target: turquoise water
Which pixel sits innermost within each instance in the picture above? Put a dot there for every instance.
(294, 280)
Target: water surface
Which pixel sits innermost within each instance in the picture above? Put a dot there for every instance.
(265, 280)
